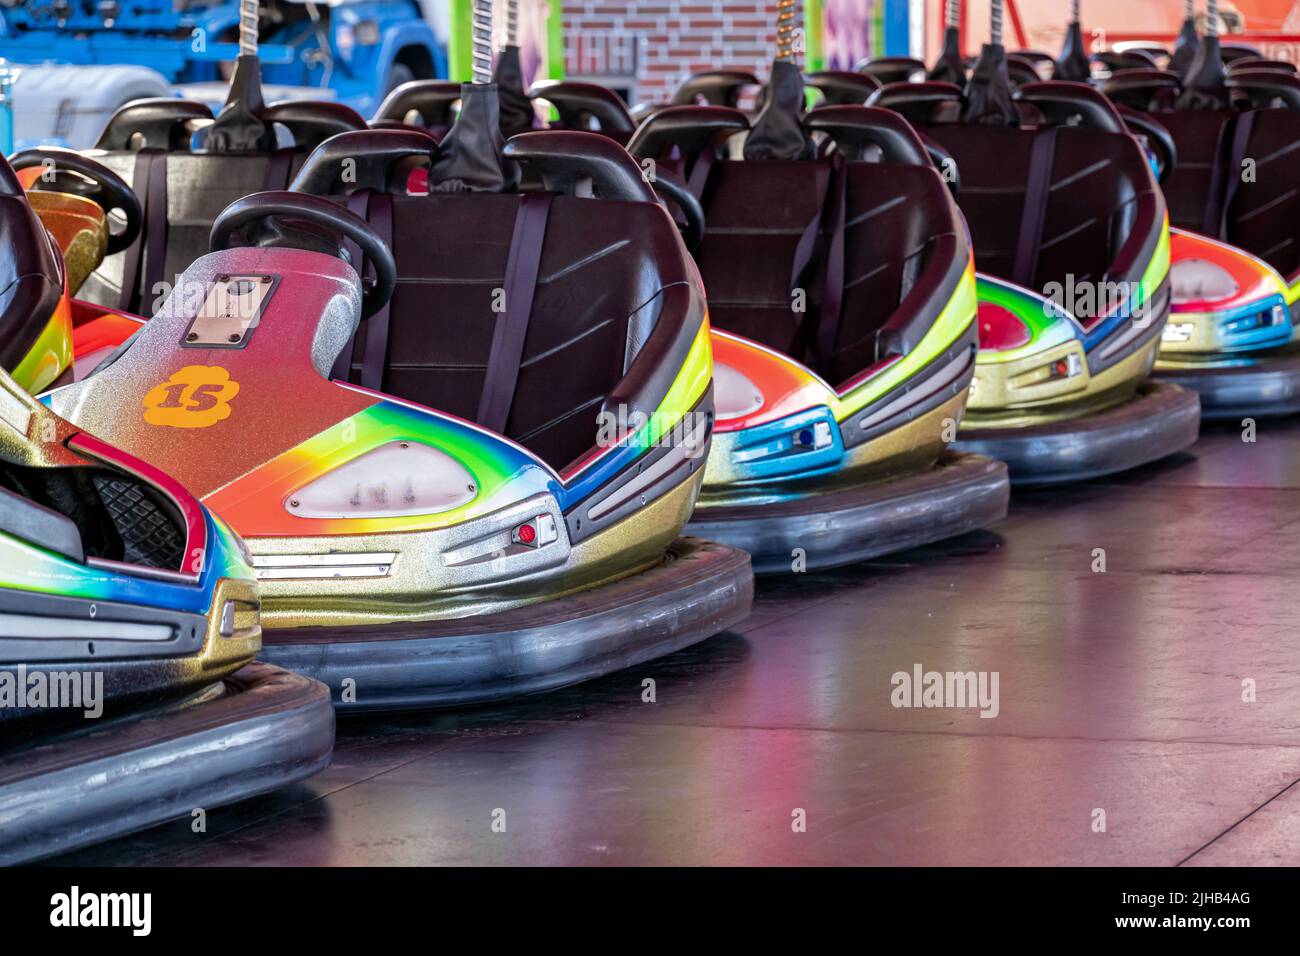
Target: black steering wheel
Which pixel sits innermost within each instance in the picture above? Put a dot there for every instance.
(290, 220)
(71, 172)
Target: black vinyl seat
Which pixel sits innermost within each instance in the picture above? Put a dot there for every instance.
(769, 232)
(182, 189)
(1095, 195)
(1208, 190)
(603, 283)
(613, 309)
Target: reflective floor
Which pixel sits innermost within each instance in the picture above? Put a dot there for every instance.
(1147, 714)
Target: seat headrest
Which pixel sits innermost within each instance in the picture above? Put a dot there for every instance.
(690, 128)
(1260, 63)
(578, 102)
(1136, 87)
(378, 159)
(917, 102)
(1237, 51)
(1021, 70)
(715, 87)
(435, 135)
(564, 159)
(159, 122)
(433, 100)
(843, 87)
(1036, 57)
(891, 69)
(1119, 61)
(313, 121)
(1064, 103)
(1263, 87)
(856, 129)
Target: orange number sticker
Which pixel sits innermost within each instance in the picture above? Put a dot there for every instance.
(194, 397)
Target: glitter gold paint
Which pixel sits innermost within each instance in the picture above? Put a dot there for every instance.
(421, 587)
(78, 226)
(214, 574)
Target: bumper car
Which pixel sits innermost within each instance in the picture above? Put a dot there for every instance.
(466, 480)
(185, 166)
(841, 295)
(1232, 192)
(128, 618)
(1072, 243)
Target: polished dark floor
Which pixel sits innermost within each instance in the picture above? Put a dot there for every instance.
(1120, 692)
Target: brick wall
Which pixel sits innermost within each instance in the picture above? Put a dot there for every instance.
(652, 45)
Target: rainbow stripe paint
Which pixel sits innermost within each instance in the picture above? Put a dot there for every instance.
(1045, 323)
(788, 387)
(28, 567)
(503, 471)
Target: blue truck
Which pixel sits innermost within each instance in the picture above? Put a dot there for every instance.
(84, 58)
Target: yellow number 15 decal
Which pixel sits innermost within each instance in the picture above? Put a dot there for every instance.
(194, 397)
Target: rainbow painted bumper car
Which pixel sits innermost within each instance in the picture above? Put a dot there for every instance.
(1072, 243)
(842, 298)
(128, 614)
(1235, 270)
(467, 481)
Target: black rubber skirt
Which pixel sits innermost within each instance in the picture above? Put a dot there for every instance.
(700, 589)
(265, 728)
(960, 493)
(1267, 388)
(1160, 420)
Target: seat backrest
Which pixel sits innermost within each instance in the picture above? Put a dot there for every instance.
(1095, 183)
(766, 243)
(198, 187)
(894, 216)
(31, 275)
(756, 213)
(1263, 215)
(1196, 180)
(604, 268)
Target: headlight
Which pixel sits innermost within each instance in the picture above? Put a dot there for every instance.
(397, 479)
(1197, 280)
(734, 394)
